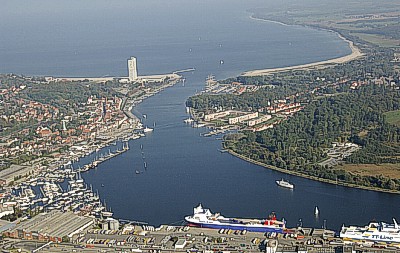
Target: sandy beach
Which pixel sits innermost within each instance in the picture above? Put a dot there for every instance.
(355, 53)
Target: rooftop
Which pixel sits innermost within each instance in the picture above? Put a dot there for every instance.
(55, 223)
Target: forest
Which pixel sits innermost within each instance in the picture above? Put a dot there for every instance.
(334, 111)
(300, 142)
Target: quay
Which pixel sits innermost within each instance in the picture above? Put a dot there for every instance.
(124, 221)
(101, 159)
(81, 79)
(167, 238)
(184, 70)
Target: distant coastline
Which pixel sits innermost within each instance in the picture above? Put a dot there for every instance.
(355, 53)
(268, 20)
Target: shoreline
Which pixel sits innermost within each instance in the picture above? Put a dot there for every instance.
(127, 134)
(318, 179)
(268, 20)
(355, 53)
(106, 139)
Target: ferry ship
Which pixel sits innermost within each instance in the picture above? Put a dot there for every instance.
(204, 218)
(375, 231)
(284, 183)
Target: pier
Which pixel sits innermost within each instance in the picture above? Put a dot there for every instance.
(184, 70)
(132, 222)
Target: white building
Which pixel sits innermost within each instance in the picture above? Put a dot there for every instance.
(242, 118)
(218, 115)
(132, 69)
(259, 120)
(180, 244)
(6, 209)
(113, 224)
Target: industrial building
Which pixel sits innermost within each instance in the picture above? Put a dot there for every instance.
(109, 224)
(180, 244)
(52, 226)
(15, 171)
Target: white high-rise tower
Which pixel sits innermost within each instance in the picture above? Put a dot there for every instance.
(64, 128)
(132, 69)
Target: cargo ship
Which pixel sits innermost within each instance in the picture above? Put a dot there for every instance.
(375, 232)
(204, 218)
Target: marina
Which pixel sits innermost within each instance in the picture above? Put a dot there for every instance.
(61, 186)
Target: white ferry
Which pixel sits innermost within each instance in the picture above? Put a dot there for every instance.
(375, 231)
(204, 218)
(285, 184)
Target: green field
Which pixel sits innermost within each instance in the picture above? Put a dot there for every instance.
(386, 170)
(393, 117)
(378, 40)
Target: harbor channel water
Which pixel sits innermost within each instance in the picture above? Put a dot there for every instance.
(179, 168)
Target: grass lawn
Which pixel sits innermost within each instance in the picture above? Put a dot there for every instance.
(393, 117)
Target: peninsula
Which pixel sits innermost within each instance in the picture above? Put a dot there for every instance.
(315, 120)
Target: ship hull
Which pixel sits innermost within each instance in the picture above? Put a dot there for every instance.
(284, 184)
(373, 238)
(262, 229)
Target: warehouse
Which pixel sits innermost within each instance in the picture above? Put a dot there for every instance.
(52, 226)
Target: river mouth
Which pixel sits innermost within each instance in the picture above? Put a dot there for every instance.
(184, 168)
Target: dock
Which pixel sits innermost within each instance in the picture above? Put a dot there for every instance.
(184, 70)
